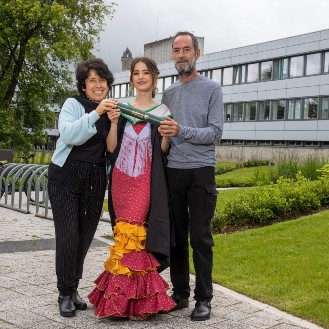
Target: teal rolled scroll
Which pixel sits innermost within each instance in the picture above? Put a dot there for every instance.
(143, 115)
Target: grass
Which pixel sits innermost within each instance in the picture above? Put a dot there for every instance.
(226, 164)
(285, 265)
(248, 172)
(105, 205)
(228, 195)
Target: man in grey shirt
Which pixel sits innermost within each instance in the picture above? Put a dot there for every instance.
(196, 105)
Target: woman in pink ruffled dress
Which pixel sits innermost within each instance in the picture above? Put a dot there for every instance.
(131, 286)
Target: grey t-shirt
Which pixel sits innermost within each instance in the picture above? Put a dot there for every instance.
(197, 106)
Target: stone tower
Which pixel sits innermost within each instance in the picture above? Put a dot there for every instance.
(126, 59)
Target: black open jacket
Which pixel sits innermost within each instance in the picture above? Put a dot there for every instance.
(159, 238)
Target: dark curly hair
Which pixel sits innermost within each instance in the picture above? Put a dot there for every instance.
(83, 69)
(151, 66)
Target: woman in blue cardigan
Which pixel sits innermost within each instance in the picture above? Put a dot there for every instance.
(77, 177)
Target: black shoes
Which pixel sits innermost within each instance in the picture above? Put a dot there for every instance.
(66, 305)
(79, 303)
(180, 302)
(70, 303)
(201, 311)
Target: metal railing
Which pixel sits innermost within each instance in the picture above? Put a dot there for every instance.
(24, 188)
(29, 182)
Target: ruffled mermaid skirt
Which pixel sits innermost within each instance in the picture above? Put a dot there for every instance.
(130, 286)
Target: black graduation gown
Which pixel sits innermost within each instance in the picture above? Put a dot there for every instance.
(159, 238)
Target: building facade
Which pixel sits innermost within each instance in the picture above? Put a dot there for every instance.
(276, 93)
(160, 51)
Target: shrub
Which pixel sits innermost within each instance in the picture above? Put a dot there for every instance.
(41, 157)
(324, 171)
(260, 205)
(257, 163)
(224, 182)
(289, 168)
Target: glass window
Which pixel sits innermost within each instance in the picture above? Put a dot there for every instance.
(266, 70)
(252, 72)
(294, 109)
(280, 68)
(238, 112)
(326, 63)
(250, 111)
(227, 76)
(160, 85)
(167, 82)
(311, 108)
(264, 110)
(130, 90)
(296, 66)
(313, 64)
(243, 73)
(236, 74)
(228, 112)
(239, 74)
(325, 108)
(117, 91)
(216, 75)
(278, 109)
(123, 90)
(112, 92)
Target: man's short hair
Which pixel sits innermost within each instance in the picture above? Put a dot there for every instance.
(193, 37)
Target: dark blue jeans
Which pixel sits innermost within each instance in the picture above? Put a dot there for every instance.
(193, 197)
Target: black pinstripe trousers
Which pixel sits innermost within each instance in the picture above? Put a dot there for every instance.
(76, 192)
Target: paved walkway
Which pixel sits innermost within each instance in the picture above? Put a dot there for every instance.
(28, 287)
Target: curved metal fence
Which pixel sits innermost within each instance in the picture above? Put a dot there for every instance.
(23, 186)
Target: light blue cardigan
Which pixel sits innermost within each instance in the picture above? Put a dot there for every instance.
(75, 128)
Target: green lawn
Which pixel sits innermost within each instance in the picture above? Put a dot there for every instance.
(248, 172)
(227, 195)
(105, 206)
(285, 265)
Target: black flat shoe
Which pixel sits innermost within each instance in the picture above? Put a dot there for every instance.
(201, 311)
(180, 302)
(66, 306)
(79, 303)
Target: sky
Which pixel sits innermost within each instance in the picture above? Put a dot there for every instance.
(224, 24)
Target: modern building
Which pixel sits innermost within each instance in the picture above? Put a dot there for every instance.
(160, 50)
(276, 95)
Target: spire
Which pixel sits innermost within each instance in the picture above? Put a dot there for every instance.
(126, 59)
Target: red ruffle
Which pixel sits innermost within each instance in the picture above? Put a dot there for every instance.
(139, 261)
(130, 296)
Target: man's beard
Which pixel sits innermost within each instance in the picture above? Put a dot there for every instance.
(187, 69)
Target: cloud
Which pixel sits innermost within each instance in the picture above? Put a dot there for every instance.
(224, 24)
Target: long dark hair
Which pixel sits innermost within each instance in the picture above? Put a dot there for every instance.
(151, 66)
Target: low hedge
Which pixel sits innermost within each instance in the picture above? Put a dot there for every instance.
(224, 182)
(262, 204)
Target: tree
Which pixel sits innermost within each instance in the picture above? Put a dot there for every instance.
(40, 41)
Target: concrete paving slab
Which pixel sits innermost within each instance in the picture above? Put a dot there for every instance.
(28, 291)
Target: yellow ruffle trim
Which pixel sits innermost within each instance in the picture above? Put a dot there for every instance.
(128, 238)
